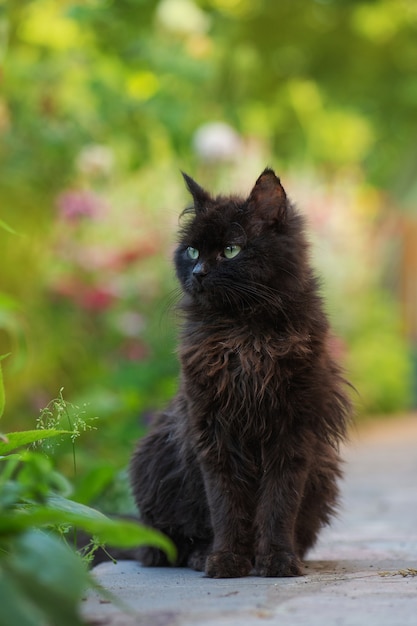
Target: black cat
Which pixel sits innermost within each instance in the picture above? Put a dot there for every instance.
(241, 469)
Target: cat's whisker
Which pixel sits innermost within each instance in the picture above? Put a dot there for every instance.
(172, 300)
(254, 294)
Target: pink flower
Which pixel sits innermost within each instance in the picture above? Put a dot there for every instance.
(337, 347)
(89, 297)
(76, 204)
(123, 259)
(134, 350)
(97, 299)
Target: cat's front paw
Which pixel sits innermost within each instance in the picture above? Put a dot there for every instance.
(197, 559)
(227, 565)
(152, 557)
(278, 564)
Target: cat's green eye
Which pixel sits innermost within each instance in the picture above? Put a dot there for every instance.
(231, 251)
(193, 253)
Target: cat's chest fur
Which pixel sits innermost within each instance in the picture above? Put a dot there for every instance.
(237, 369)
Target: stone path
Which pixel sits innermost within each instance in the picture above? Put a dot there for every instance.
(362, 573)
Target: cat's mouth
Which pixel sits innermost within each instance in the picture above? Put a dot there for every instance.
(198, 283)
(224, 297)
(234, 297)
(200, 289)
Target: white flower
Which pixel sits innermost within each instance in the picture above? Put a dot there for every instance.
(95, 160)
(217, 141)
(183, 17)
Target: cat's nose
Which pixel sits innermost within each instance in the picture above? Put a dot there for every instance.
(200, 270)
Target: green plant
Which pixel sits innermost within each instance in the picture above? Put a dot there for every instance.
(42, 577)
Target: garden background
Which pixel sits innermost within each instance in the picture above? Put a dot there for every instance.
(103, 102)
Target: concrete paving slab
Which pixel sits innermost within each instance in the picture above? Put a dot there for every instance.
(363, 572)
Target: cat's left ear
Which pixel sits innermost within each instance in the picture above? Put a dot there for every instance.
(200, 195)
(268, 200)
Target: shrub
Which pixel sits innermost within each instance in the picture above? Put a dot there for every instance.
(42, 576)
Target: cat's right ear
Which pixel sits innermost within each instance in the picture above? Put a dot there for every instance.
(268, 200)
(200, 195)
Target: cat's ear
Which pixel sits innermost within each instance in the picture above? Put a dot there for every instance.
(267, 200)
(200, 196)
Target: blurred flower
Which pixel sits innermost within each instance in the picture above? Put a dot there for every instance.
(75, 204)
(97, 298)
(337, 347)
(182, 17)
(123, 259)
(134, 350)
(130, 323)
(95, 160)
(89, 297)
(217, 141)
(99, 257)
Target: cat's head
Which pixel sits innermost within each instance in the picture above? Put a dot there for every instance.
(242, 255)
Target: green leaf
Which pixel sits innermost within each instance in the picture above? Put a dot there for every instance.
(113, 532)
(14, 606)
(64, 505)
(20, 519)
(32, 515)
(25, 437)
(2, 393)
(8, 228)
(118, 533)
(10, 494)
(49, 575)
(127, 534)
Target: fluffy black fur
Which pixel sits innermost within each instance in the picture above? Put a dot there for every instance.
(241, 469)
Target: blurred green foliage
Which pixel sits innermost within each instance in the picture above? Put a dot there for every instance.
(43, 578)
(100, 104)
(328, 81)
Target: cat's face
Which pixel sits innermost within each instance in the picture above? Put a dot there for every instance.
(241, 255)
